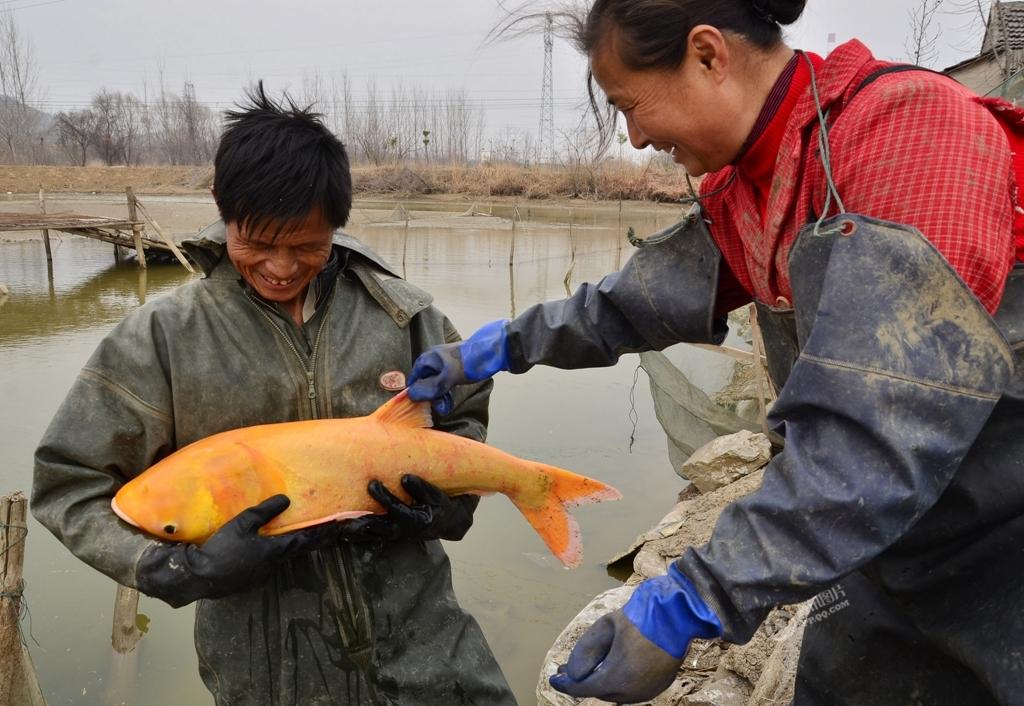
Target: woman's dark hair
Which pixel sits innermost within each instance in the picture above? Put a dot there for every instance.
(651, 34)
(277, 162)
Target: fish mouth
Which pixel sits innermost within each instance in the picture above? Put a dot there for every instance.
(120, 513)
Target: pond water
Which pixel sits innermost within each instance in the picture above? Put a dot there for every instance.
(504, 575)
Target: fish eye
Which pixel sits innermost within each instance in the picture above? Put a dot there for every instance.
(170, 529)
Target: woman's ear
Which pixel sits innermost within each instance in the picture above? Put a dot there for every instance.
(708, 46)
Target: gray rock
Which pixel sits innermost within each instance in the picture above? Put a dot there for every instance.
(727, 459)
(688, 524)
(696, 519)
(748, 660)
(714, 673)
(778, 675)
(559, 653)
(725, 690)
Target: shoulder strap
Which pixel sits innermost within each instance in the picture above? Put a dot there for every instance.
(894, 69)
(867, 81)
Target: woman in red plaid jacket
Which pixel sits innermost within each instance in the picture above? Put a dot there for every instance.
(870, 211)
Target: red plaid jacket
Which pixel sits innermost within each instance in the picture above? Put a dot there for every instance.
(911, 147)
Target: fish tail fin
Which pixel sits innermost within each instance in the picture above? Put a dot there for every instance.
(549, 514)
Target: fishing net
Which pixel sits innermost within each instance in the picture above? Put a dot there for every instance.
(689, 416)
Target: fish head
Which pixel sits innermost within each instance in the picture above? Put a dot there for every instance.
(180, 512)
(188, 498)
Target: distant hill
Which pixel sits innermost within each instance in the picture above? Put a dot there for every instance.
(46, 120)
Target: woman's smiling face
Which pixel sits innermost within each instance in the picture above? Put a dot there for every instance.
(690, 112)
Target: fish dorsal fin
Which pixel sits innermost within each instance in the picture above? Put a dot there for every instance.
(404, 412)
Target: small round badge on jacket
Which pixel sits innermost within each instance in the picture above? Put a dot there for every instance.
(393, 381)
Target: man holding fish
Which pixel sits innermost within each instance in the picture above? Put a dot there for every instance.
(293, 322)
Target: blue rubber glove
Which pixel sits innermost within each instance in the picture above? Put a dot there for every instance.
(441, 368)
(633, 654)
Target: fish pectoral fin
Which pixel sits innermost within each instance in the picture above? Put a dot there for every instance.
(336, 517)
(402, 411)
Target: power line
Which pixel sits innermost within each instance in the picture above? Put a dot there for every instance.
(274, 50)
(25, 7)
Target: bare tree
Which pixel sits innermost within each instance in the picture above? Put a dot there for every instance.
(18, 88)
(118, 132)
(106, 137)
(75, 132)
(506, 146)
(184, 130)
(370, 126)
(197, 127)
(583, 148)
(412, 123)
(924, 32)
(129, 117)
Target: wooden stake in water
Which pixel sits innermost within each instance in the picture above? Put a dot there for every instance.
(46, 233)
(512, 289)
(160, 231)
(137, 227)
(125, 634)
(572, 254)
(405, 239)
(18, 683)
(512, 245)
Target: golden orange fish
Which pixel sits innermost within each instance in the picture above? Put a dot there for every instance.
(324, 466)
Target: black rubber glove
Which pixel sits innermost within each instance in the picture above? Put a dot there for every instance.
(235, 559)
(432, 514)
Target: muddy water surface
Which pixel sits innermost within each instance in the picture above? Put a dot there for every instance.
(503, 574)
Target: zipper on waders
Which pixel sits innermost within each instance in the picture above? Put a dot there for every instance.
(311, 370)
(349, 595)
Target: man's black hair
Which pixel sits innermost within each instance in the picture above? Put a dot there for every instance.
(276, 163)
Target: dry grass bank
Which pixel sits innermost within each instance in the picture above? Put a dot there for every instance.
(607, 181)
(610, 180)
(27, 179)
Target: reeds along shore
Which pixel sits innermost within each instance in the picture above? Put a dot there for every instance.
(607, 180)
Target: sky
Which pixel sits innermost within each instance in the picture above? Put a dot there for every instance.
(220, 46)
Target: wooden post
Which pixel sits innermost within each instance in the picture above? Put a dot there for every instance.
(512, 247)
(405, 240)
(18, 684)
(512, 288)
(125, 634)
(143, 288)
(133, 216)
(12, 544)
(572, 254)
(46, 233)
(33, 695)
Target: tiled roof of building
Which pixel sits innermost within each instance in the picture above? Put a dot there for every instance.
(1008, 15)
